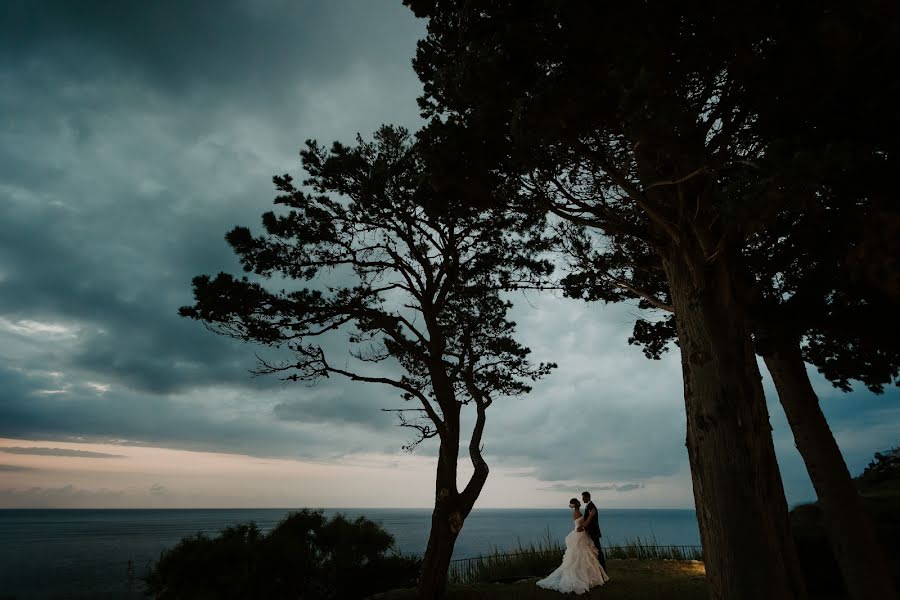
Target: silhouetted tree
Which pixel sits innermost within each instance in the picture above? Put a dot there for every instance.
(810, 311)
(416, 283)
(807, 310)
(627, 118)
(832, 152)
(828, 112)
(829, 166)
(885, 467)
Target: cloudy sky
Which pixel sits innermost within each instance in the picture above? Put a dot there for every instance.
(133, 135)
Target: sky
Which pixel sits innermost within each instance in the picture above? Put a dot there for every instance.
(133, 136)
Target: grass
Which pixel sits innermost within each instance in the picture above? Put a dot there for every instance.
(648, 549)
(534, 559)
(629, 580)
(540, 558)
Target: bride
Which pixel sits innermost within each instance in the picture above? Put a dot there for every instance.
(580, 569)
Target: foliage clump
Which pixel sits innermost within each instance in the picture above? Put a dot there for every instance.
(305, 556)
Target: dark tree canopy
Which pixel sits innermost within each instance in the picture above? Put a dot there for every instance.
(825, 172)
(663, 121)
(409, 282)
(603, 134)
(773, 103)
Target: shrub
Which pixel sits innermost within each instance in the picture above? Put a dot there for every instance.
(304, 556)
(879, 486)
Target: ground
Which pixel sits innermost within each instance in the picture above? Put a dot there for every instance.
(629, 580)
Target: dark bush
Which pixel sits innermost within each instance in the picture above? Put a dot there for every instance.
(879, 486)
(304, 556)
(882, 474)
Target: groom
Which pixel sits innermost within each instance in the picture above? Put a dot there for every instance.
(592, 526)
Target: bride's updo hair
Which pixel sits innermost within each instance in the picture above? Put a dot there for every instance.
(576, 502)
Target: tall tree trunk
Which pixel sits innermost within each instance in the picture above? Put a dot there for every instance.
(444, 531)
(446, 520)
(853, 539)
(450, 506)
(741, 508)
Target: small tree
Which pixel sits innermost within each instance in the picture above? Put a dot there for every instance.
(885, 467)
(420, 296)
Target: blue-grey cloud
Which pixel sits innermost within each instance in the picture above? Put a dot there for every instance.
(627, 487)
(52, 497)
(129, 147)
(37, 451)
(576, 489)
(134, 135)
(229, 49)
(219, 419)
(15, 468)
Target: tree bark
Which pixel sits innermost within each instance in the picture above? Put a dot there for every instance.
(441, 541)
(853, 539)
(450, 507)
(741, 507)
(445, 520)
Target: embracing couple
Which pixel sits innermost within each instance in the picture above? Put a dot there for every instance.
(583, 564)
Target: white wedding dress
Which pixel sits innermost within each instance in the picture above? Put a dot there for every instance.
(580, 569)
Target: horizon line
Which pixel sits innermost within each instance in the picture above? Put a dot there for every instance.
(297, 508)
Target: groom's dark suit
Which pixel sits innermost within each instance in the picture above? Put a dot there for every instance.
(593, 531)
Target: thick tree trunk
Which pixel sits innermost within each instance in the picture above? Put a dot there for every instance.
(444, 531)
(853, 539)
(741, 508)
(450, 506)
(446, 519)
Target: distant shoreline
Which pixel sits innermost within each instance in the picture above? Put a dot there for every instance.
(339, 508)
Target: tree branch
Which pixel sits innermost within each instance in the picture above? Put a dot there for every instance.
(635, 194)
(690, 175)
(644, 295)
(479, 476)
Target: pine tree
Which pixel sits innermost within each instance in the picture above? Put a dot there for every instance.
(414, 281)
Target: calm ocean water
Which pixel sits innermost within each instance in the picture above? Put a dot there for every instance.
(84, 553)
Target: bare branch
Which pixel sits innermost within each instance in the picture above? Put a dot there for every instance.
(426, 404)
(690, 175)
(643, 294)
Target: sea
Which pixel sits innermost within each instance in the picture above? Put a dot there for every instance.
(100, 554)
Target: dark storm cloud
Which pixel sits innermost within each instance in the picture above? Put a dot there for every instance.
(133, 135)
(15, 469)
(106, 97)
(229, 48)
(35, 451)
(130, 143)
(357, 404)
(219, 420)
(44, 497)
